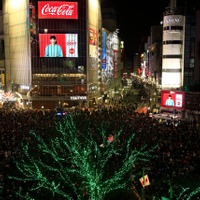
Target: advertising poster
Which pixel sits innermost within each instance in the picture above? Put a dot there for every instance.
(58, 45)
(172, 99)
(93, 43)
(104, 36)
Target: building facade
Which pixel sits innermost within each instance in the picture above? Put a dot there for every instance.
(70, 74)
(173, 48)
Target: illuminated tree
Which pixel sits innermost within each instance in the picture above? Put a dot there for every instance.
(186, 193)
(70, 163)
(180, 192)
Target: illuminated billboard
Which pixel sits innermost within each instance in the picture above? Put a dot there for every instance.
(104, 35)
(93, 41)
(172, 99)
(58, 45)
(57, 10)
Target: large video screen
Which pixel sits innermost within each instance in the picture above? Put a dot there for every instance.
(172, 99)
(58, 45)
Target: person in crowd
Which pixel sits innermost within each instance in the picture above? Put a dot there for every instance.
(177, 155)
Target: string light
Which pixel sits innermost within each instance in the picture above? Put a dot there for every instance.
(73, 165)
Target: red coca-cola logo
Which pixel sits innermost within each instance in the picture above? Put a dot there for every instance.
(64, 9)
(71, 51)
(57, 10)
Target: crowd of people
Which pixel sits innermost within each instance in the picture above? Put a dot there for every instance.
(176, 160)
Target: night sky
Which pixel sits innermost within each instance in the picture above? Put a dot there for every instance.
(135, 18)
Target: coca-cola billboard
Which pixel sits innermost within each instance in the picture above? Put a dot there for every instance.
(57, 10)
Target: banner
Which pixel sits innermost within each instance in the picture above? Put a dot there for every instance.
(57, 10)
(144, 180)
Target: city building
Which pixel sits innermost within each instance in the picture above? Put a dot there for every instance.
(173, 47)
(170, 59)
(53, 55)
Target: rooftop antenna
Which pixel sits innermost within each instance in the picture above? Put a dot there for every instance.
(172, 8)
(173, 4)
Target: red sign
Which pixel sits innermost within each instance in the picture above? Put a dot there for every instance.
(172, 99)
(71, 51)
(145, 180)
(57, 10)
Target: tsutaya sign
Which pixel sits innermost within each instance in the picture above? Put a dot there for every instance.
(57, 10)
(78, 98)
(173, 20)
